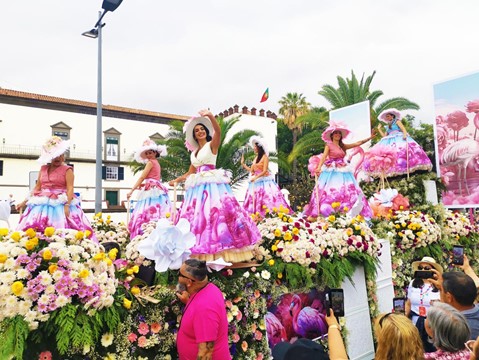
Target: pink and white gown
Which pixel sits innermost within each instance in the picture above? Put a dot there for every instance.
(336, 183)
(152, 203)
(264, 193)
(222, 227)
(47, 206)
(410, 155)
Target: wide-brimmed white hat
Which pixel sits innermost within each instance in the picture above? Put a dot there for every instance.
(427, 260)
(191, 143)
(260, 142)
(54, 147)
(149, 144)
(392, 111)
(335, 126)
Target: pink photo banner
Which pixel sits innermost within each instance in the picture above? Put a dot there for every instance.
(456, 104)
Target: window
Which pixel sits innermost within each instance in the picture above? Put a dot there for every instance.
(112, 197)
(62, 134)
(113, 173)
(1, 167)
(112, 152)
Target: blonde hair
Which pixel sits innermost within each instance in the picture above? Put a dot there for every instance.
(398, 338)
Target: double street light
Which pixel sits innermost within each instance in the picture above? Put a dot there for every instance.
(95, 33)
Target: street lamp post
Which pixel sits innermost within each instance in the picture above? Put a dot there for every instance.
(95, 33)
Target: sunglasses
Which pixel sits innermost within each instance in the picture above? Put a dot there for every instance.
(424, 267)
(186, 277)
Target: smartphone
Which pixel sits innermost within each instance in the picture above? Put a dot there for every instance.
(423, 274)
(336, 301)
(399, 305)
(458, 255)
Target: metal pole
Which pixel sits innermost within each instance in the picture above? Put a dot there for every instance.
(98, 168)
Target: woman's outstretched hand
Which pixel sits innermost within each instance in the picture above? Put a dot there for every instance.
(205, 112)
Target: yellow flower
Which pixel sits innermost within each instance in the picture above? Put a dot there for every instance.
(17, 288)
(49, 231)
(299, 208)
(277, 233)
(3, 258)
(295, 231)
(83, 274)
(280, 215)
(331, 218)
(290, 220)
(349, 231)
(401, 207)
(52, 268)
(99, 256)
(271, 262)
(126, 303)
(47, 254)
(335, 204)
(287, 236)
(3, 232)
(345, 209)
(363, 233)
(264, 207)
(397, 226)
(34, 241)
(87, 233)
(168, 215)
(285, 218)
(98, 215)
(30, 233)
(29, 245)
(357, 227)
(129, 271)
(113, 253)
(15, 236)
(273, 248)
(108, 261)
(79, 235)
(135, 290)
(136, 268)
(108, 221)
(275, 209)
(280, 275)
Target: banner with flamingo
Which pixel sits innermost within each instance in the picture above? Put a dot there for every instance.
(457, 139)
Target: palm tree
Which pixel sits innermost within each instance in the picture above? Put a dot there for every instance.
(293, 106)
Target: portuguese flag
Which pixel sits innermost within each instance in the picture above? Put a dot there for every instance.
(265, 95)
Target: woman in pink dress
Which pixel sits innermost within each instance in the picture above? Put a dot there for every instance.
(336, 182)
(223, 229)
(52, 201)
(153, 202)
(263, 192)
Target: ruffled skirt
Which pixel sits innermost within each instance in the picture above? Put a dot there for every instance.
(264, 194)
(152, 204)
(221, 226)
(44, 211)
(337, 185)
(410, 156)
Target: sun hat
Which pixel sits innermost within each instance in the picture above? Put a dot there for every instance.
(392, 111)
(149, 144)
(260, 142)
(191, 143)
(428, 260)
(301, 349)
(335, 126)
(54, 147)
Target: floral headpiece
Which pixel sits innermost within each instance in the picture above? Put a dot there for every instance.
(260, 142)
(335, 126)
(190, 142)
(54, 147)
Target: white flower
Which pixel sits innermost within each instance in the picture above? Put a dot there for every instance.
(107, 339)
(265, 274)
(246, 274)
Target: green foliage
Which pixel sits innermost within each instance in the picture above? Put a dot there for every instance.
(300, 192)
(14, 334)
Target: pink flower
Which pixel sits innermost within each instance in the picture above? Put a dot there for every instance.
(244, 346)
(143, 329)
(239, 316)
(155, 328)
(142, 341)
(236, 337)
(258, 335)
(45, 355)
(228, 304)
(473, 106)
(260, 356)
(132, 337)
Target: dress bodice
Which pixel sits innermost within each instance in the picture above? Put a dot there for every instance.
(155, 172)
(56, 179)
(258, 167)
(335, 152)
(393, 127)
(204, 156)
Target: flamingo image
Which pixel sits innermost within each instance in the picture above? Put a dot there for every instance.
(357, 150)
(275, 330)
(307, 322)
(460, 154)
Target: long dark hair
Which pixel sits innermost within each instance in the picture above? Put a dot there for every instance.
(419, 283)
(260, 153)
(208, 136)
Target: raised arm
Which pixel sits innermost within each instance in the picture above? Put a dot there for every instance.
(360, 142)
(216, 138)
(143, 176)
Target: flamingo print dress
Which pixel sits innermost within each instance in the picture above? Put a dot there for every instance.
(222, 227)
(410, 155)
(264, 193)
(153, 202)
(336, 183)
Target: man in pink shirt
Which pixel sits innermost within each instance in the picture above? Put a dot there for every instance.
(203, 332)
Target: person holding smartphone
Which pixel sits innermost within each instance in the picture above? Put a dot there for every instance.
(421, 294)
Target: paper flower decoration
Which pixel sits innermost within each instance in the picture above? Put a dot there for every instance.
(385, 197)
(217, 264)
(313, 163)
(168, 245)
(381, 158)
